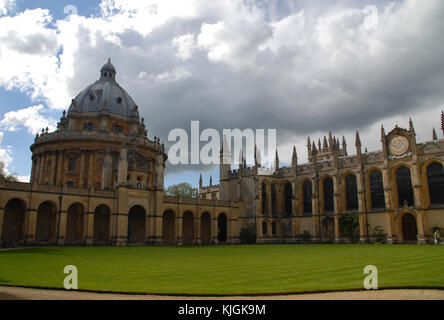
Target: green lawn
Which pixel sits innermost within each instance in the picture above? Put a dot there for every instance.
(236, 269)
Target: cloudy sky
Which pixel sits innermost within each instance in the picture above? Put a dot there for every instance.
(302, 67)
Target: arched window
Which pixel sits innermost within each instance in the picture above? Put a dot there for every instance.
(404, 184)
(264, 228)
(273, 200)
(351, 192)
(307, 195)
(288, 199)
(264, 198)
(435, 178)
(376, 190)
(329, 204)
(273, 228)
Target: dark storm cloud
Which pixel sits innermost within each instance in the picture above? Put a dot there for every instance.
(310, 68)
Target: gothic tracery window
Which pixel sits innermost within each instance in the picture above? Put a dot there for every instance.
(307, 195)
(435, 179)
(264, 198)
(351, 192)
(405, 189)
(288, 199)
(329, 206)
(376, 190)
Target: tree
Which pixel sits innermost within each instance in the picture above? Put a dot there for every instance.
(6, 176)
(183, 189)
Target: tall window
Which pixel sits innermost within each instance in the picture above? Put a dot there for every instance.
(351, 192)
(288, 199)
(264, 198)
(435, 178)
(404, 184)
(377, 190)
(307, 194)
(264, 228)
(273, 200)
(72, 165)
(273, 228)
(329, 204)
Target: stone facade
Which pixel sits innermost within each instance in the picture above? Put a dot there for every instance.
(399, 189)
(99, 180)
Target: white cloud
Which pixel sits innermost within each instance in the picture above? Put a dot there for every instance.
(31, 118)
(233, 63)
(185, 46)
(5, 153)
(6, 5)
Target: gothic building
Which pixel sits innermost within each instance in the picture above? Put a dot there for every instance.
(398, 191)
(99, 180)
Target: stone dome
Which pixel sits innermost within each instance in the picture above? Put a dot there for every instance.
(105, 95)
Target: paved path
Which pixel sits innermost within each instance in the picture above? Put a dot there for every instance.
(15, 293)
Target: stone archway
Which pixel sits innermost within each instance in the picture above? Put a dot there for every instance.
(101, 224)
(136, 225)
(409, 228)
(168, 227)
(222, 227)
(46, 223)
(205, 228)
(74, 224)
(187, 228)
(14, 217)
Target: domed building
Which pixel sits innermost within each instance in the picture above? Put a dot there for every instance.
(101, 130)
(99, 179)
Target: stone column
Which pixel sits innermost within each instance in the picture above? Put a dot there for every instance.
(388, 222)
(59, 177)
(30, 225)
(53, 169)
(420, 223)
(387, 190)
(179, 231)
(197, 239)
(90, 229)
(362, 228)
(62, 230)
(91, 169)
(337, 236)
(215, 227)
(416, 183)
(269, 212)
(82, 169)
(41, 168)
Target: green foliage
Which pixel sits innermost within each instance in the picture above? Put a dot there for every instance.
(349, 224)
(248, 234)
(306, 236)
(9, 177)
(380, 235)
(183, 189)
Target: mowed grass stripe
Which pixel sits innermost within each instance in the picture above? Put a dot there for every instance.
(237, 269)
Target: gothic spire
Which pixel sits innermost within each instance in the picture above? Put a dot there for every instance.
(276, 159)
(382, 132)
(358, 140)
(434, 135)
(411, 127)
